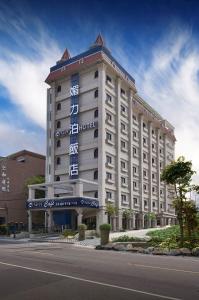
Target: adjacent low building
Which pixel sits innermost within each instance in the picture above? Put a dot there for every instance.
(15, 169)
(105, 145)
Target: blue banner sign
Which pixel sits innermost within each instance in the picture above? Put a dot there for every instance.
(59, 203)
(74, 127)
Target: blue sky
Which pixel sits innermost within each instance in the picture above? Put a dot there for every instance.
(157, 41)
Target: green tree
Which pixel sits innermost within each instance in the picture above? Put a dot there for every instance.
(126, 214)
(191, 222)
(178, 174)
(111, 211)
(35, 180)
(38, 216)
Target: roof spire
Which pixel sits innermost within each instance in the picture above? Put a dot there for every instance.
(66, 55)
(99, 40)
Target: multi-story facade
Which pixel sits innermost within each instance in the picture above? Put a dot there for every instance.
(105, 144)
(15, 170)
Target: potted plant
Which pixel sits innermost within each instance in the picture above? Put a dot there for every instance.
(82, 229)
(104, 233)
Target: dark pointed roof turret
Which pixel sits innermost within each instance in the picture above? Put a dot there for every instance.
(66, 55)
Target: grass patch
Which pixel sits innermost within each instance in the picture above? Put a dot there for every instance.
(162, 234)
(170, 238)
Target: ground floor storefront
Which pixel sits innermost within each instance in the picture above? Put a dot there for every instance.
(52, 219)
(58, 211)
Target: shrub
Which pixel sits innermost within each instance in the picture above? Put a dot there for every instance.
(3, 229)
(106, 227)
(68, 232)
(163, 234)
(82, 227)
(105, 230)
(126, 238)
(169, 243)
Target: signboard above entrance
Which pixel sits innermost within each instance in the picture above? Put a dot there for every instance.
(64, 202)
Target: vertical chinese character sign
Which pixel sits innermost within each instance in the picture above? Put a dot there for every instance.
(74, 127)
(5, 181)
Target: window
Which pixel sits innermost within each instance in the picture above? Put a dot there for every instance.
(134, 134)
(108, 175)
(96, 74)
(160, 137)
(160, 151)
(108, 78)
(123, 145)
(135, 200)
(144, 141)
(123, 109)
(108, 159)
(153, 189)
(134, 184)
(123, 165)
(59, 89)
(122, 92)
(153, 204)
(123, 180)
(160, 165)
(58, 160)
(145, 203)
(134, 170)
(96, 153)
(123, 197)
(108, 136)
(144, 173)
(21, 159)
(96, 133)
(161, 192)
(153, 146)
(153, 132)
(153, 161)
(58, 106)
(144, 125)
(95, 175)
(57, 178)
(123, 127)
(144, 187)
(161, 206)
(96, 94)
(96, 194)
(108, 195)
(134, 151)
(108, 98)
(153, 176)
(134, 118)
(96, 113)
(49, 115)
(58, 143)
(58, 124)
(144, 156)
(108, 116)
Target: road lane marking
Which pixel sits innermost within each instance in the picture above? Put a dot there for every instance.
(163, 268)
(39, 252)
(90, 281)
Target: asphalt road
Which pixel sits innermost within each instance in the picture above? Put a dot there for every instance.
(56, 271)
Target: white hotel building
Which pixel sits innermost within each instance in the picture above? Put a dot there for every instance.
(105, 144)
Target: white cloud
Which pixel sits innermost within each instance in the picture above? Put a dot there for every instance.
(23, 74)
(170, 84)
(16, 139)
